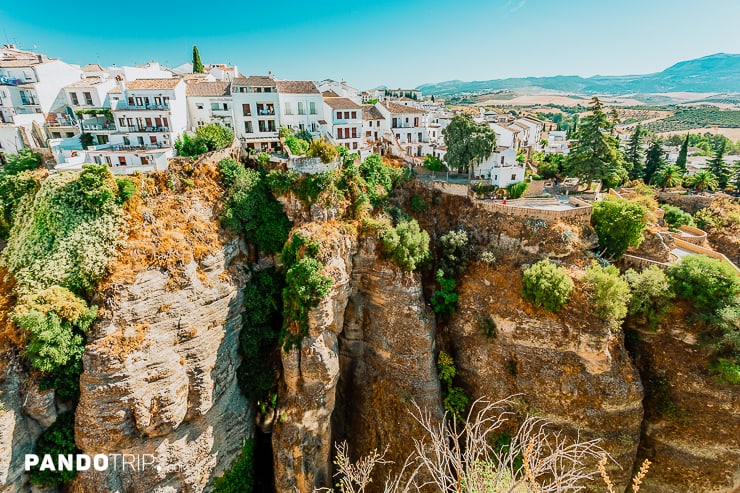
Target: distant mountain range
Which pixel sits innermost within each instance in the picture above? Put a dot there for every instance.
(713, 73)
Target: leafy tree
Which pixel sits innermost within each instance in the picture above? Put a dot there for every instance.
(703, 180)
(379, 178)
(548, 168)
(675, 217)
(406, 244)
(654, 160)
(322, 149)
(596, 154)
(467, 142)
(297, 146)
(718, 166)
(197, 64)
(651, 294)
(546, 284)
(668, 176)
(609, 292)
(25, 160)
(433, 163)
(189, 146)
(633, 156)
(683, 154)
(214, 136)
(619, 224)
(454, 252)
(708, 282)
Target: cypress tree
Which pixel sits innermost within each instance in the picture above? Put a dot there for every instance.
(197, 64)
(633, 157)
(653, 160)
(683, 153)
(718, 166)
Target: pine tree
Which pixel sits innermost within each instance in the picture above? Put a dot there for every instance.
(633, 156)
(736, 176)
(197, 64)
(718, 166)
(596, 154)
(683, 153)
(654, 160)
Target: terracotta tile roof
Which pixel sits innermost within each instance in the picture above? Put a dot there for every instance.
(19, 63)
(400, 108)
(153, 84)
(115, 90)
(255, 80)
(297, 87)
(205, 89)
(91, 82)
(92, 67)
(330, 94)
(370, 112)
(342, 104)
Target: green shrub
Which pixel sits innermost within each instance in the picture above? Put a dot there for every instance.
(675, 217)
(13, 187)
(454, 399)
(126, 189)
(379, 178)
(418, 204)
(214, 136)
(610, 294)
(65, 380)
(488, 326)
(546, 284)
(727, 370)
(97, 186)
(707, 282)
(240, 476)
(547, 169)
(651, 294)
(281, 182)
(251, 209)
(57, 439)
(516, 190)
(297, 146)
(619, 224)
(454, 252)
(322, 149)
(444, 300)
(406, 244)
(189, 146)
(25, 160)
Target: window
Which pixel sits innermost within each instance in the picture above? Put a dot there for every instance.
(126, 141)
(73, 96)
(129, 122)
(246, 111)
(215, 106)
(513, 177)
(152, 139)
(354, 115)
(288, 109)
(265, 109)
(166, 123)
(144, 160)
(122, 160)
(199, 106)
(158, 102)
(502, 159)
(312, 108)
(148, 122)
(339, 133)
(56, 135)
(121, 122)
(69, 134)
(354, 132)
(301, 109)
(419, 137)
(266, 125)
(139, 101)
(248, 127)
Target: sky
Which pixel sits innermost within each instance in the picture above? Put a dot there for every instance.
(394, 43)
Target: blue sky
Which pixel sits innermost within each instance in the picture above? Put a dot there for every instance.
(388, 42)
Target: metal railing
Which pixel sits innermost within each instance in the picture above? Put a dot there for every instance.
(123, 105)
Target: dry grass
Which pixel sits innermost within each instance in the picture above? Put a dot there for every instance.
(10, 335)
(121, 343)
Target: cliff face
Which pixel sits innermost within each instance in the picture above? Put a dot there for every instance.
(302, 433)
(566, 367)
(387, 352)
(159, 378)
(691, 430)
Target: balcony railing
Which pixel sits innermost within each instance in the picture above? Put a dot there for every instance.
(98, 128)
(62, 123)
(123, 105)
(136, 128)
(265, 112)
(138, 147)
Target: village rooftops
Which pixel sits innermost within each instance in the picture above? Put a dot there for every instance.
(139, 84)
(330, 94)
(401, 109)
(342, 104)
(297, 87)
(92, 67)
(209, 89)
(89, 82)
(255, 80)
(370, 112)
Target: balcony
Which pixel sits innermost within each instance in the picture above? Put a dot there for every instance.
(138, 129)
(139, 147)
(98, 128)
(62, 122)
(265, 110)
(220, 113)
(123, 105)
(9, 81)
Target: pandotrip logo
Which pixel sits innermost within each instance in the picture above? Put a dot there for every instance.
(97, 462)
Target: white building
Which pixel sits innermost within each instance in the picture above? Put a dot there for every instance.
(341, 89)
(151, 70)
(557, 142)
(344, 122)
(501, 168)
(256, 112)
(209, 102)
(506, 136)
(374, 124)
(534, 134)
(301, 105)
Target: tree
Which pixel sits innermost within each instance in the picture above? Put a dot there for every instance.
(703, 180)
(651, 294)
(596, 154)
(718, 166)
(214, 136)
(654, 160)
(736, 175)
(668, 177)
(683, 154)
(467, 142)
(633, 156)
(25, 160)
(609, 293)
(708, 282)
(619, 224)
(433, 163)
(546, 284)
(406, 244)
(322, 149)
(197, 64)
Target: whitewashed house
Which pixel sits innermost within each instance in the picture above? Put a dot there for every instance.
(557, 142)
(256, 111)
(301, 105)
(409, 127)
(209, 102)
(341, 89)
(344, 122)
(501, 168)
